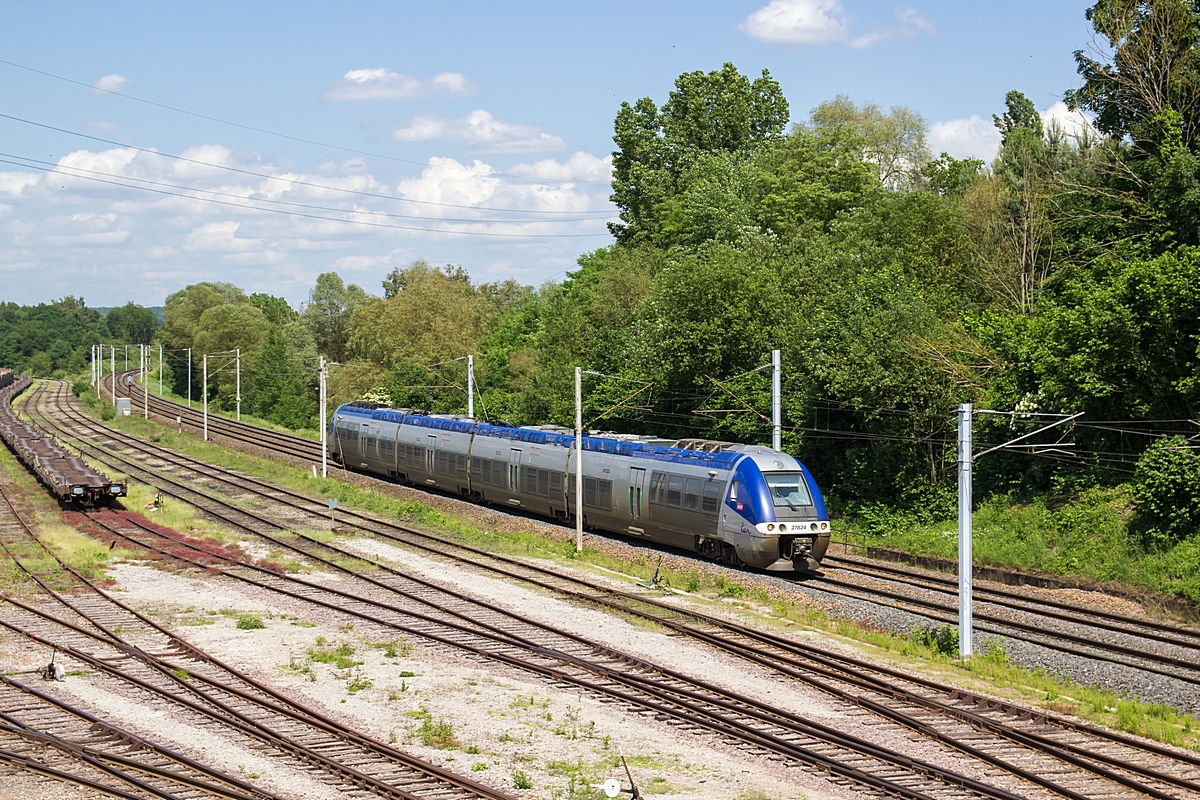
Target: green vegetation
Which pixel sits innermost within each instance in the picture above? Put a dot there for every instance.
(248, 622)
(521, 779)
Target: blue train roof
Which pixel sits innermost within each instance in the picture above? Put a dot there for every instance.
(723, 461)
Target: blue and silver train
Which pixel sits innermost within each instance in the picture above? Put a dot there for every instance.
(732, 503)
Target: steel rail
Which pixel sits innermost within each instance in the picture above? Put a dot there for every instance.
(277, 702)
(719, 725)
(983, 722)
(1068, 758)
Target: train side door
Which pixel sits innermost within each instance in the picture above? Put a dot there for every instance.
(514, 471)
(637, 485)
(430, 444)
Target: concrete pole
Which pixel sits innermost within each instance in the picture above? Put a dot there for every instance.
(141, 363)
(471, 386)
(126, 356)
(776, 405)
(100, 372)
(238, 390)
(204, 393)
(965, 615)
(146, 398)
(324, 431)
(112, 368)
(578, 460)
(189, 377)
(160, 394)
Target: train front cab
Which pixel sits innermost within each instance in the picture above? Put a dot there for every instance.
(774, 514)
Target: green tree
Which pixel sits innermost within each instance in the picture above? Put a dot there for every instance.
(1151, 64)
(132, 323)
(327, 316)
(285, 370)
(221, 330)
(707, 113)
(893, 142)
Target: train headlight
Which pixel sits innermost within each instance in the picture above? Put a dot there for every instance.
(76, 490)
(782, 527)
(115, 489)
(814, 526)
(824, 526)
(771, 526)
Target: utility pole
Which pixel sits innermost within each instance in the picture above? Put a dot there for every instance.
(965, 457)
(204, 392)
(189, 377)
(471, 386)
(160, 394)
(142, 363)
(146, 398)
(578, 460)
(112, 358)
(776, 405)
(100, 371)
(126, 356)
(324, 432)
(238, 391)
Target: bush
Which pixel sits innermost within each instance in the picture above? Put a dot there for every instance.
(1167, 491)
(521, 779)
(108, 412)
(79, 387)
(250, 623)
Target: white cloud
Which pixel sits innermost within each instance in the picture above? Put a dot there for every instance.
(382, 84)
(481, 131)
(110, 84)
(797, 22)
(911, 24)
(968, 137)
(61, 229)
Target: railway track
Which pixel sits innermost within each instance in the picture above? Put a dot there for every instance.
(1113, 761)
(148, 662)
(1168, 650)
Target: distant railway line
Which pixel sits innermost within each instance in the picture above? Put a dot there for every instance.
(1112, 760)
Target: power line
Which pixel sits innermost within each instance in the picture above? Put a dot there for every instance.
(317, 216)
(265, 176)
(56, 167)
(301, 139)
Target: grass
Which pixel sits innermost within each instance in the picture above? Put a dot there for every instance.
(1098, 511)
(1085, 536)
(249, 622)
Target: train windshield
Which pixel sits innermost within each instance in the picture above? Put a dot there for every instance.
(788, 489)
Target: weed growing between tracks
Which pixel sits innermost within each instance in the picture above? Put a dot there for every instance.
(770, 607)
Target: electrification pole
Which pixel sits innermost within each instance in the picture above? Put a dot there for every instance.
(578, 460)
(776, 405)
(189, 377)
(204, 392)
(142, 363)
(112, 368)
(126, 356)
(324, 431)
(160, 394)
(471, 386)
(238, 391)
(100, 371)
(965, 615)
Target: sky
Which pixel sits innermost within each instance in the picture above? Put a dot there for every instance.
(148, 146)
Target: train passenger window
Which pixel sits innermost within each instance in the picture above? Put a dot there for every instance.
(589, 491)
(543, 480)
(674, 490)
(529, 480)
(711, 497)
(604, 495)
(657, 494)
(691, 494)
(556, 488)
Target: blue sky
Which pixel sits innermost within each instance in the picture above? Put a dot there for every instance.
(484, 126)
